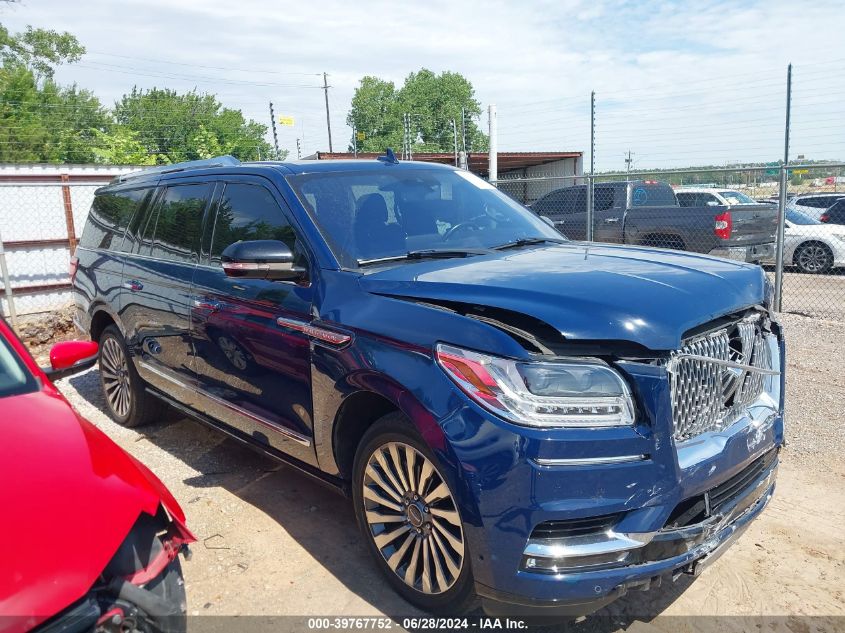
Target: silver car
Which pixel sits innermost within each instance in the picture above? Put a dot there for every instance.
(814, 204)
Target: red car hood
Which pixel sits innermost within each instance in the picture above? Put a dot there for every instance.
(69, 496)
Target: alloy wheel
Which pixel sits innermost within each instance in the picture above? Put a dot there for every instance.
(233, 352)
(412, 518)
(115, 373)
(814, 258)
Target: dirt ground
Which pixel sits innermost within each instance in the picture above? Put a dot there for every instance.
(274, 542)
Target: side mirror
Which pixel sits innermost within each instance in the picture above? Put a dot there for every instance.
(71, 357)
(260, 259)
(548, 221)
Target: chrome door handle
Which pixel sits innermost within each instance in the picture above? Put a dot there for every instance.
(133, 285)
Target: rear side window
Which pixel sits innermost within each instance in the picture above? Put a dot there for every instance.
(602, 198)
(249, 212)
(818, 202)
(173, 228)
(551, 204)
(648, 193)
(110, 214)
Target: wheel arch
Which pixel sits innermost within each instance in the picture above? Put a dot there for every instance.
(372, 396)
(102, 317)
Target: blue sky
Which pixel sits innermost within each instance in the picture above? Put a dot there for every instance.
(677, 83)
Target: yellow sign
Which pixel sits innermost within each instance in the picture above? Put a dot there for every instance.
(287, 121)
(800, 171)
(360, 136)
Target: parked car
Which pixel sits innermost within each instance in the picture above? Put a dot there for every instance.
(647, 213)
(706, 196)
(91, 537)
(811, 246)
(835, 214)
(814, 204)
(516, 416)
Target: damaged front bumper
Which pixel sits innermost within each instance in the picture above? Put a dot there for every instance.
(607, 565)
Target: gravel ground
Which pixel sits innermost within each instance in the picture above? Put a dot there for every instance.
(274, 542)
(815, 390)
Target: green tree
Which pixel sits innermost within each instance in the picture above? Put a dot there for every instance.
(432, 100)
(39, 50)
(46, 122)
(120, 146)
(190, 126)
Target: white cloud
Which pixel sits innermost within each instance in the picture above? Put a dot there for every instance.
(678, 83)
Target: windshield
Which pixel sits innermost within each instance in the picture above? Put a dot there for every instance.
(377, 214)
(14, 377)
(737, 197)
(796, 217)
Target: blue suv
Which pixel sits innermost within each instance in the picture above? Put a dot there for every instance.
(541, 423)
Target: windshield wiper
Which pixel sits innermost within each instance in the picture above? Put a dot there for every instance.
(427, 253)
(529, 241)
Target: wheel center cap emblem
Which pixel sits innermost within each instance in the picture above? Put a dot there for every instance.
(415, 516)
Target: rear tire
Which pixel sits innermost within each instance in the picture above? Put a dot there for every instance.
(396, 478)
(813, 258)
(127, 401)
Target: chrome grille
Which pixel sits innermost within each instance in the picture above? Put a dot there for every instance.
(707, 396)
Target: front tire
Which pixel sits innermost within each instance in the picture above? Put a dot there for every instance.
(127, 401)
(410, 519)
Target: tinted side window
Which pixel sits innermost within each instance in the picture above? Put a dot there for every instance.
(602, 198)
(686, 199)
(249, 212)
(579, 204)
(173, 229)
(552, 203)
(109, 216)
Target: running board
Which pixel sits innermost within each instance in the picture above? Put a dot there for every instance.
(334, 483)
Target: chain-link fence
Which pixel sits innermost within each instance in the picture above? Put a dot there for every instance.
(726, 212)
(41, 217)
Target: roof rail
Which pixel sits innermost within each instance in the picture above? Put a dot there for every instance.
(217, 161)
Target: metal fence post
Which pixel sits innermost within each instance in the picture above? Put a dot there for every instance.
(7, 285)
(589, 217)
(784, 179)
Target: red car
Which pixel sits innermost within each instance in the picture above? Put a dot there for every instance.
(89, 537)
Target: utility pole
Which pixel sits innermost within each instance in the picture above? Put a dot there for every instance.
(493, 152)
(328, 118)
(590, 178)
(464, 129)
(782, 197)
(354, 141)
(298, 149)
(455, 136)
(273, 125)
(629, 162)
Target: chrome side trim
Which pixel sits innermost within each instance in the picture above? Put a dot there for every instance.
(591, 461)
(296, 437)
(165, 375)
(321, 334)
(608, 542)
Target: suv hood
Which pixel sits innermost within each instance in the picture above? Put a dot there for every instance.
(587, 291)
